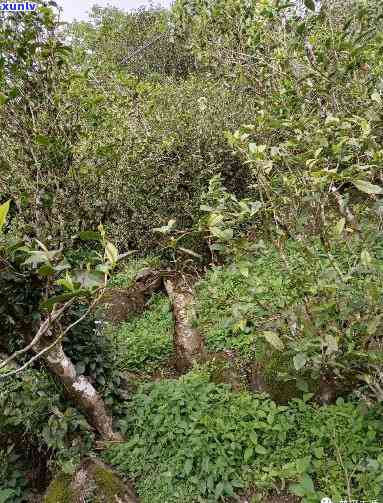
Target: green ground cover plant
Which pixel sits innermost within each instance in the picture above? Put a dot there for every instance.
(144, 343)
(194, 439)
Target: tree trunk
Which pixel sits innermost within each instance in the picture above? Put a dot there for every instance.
(79, 389)
(188, 343)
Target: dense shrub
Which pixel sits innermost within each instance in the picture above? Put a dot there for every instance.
(45, 430)
(315, 312)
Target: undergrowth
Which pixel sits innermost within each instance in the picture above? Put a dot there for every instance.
(144, 343)
(192, 440)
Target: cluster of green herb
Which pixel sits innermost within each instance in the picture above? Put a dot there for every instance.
(199, 441)
(144, 343)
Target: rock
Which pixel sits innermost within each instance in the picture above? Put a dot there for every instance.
(92, 481)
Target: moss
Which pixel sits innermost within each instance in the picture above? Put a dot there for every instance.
(108, 484)
(59, 490)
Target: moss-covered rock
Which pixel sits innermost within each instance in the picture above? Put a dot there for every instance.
(94, 482)
(60, 490)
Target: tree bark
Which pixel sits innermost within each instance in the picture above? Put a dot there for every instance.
(79, 389)
(188, 343)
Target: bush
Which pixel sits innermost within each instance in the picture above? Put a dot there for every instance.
(12, 476)
(303, 312)
(34, 414)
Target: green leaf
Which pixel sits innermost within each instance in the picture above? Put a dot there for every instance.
(303, 464)
(6, 494)
(273, 339)
(304, 488)
(219, 490)
(46, 270)
(4, 209)
(308, 484)
(248, 454)
(259, 449)
(367, 187)
(3, 98)
(42, 139)
(224, 234)
(310, 4)
(188, 466)
(48, 304)
(299, 361)
(339, 228)
(90, 236)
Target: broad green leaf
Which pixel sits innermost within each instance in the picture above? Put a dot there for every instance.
(66, 283)
(46, 270)
(303, 464)
(308, 484)
(259, 449)
(58, 299)
(90, 236)
(42, 139)
(214, 219)
(367, 187)
(304, 488)
(299, 361)
(273, 339)
(248, 454)
(4, 209)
